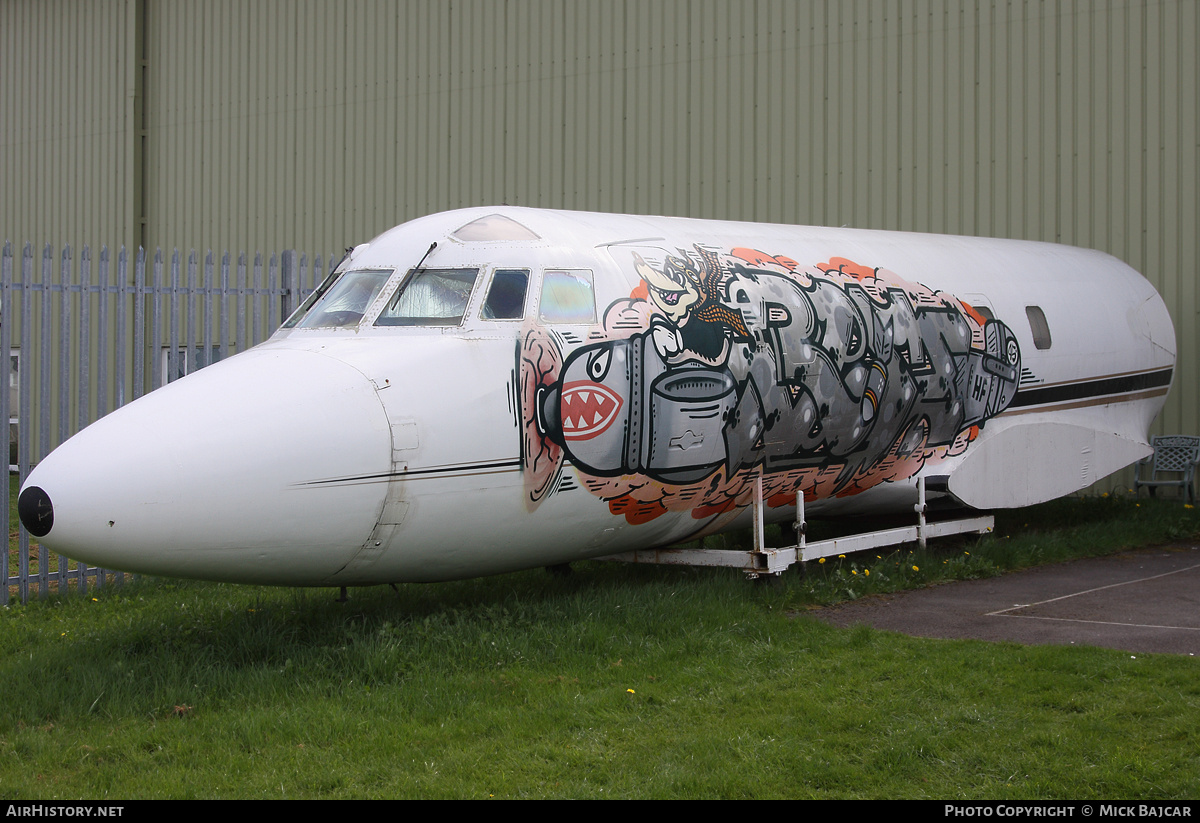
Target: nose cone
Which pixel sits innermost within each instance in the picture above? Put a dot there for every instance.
(269, 467)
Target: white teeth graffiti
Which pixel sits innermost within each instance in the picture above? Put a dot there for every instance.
(588, 409)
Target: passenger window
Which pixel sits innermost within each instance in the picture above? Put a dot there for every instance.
(1039, 327)
(506, 297)
(567, 297)
(430, 297)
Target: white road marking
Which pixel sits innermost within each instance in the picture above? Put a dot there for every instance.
(1005, 612)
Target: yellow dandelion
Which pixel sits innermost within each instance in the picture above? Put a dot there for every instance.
(631, 691)
(916, 569)
(1188, 506)
(867, 572)
(822, 560)
(854, 571)
(841, 557)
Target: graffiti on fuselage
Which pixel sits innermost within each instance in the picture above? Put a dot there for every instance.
(832, 378)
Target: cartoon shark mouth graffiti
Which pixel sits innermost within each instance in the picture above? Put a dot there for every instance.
(835, 378)
(588, 409)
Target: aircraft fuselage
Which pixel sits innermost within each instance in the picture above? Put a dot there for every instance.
(493, 389)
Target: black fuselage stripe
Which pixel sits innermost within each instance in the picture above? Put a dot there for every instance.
(1124, 384)
(465, 468)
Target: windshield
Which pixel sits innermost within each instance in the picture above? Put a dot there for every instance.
(341, 301)
(430, 297)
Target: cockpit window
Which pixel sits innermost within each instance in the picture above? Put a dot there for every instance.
(567, 297)
(340, 301)
(430, 297)
(506, 297)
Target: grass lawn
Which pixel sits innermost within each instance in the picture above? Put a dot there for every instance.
(614, 681)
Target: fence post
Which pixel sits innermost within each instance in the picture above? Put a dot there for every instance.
(47, 309)
(139, 324)
(122, 300)
(272, 290)
(288, 285)
(207, 360)
(256, 303)
(5, 331)
(102, 338)
(173, 352)
(190, 343)
(223, 350)
(25, 402)
(156, 320)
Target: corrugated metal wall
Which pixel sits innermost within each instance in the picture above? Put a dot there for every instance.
(315, 125)
(68, 121)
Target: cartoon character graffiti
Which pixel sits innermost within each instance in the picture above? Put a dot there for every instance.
(692, 324)
(838, 377)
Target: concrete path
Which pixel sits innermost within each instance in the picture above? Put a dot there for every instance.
(1141, 601)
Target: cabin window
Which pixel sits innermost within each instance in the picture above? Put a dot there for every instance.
(1039, 327)
(506, 297)
(430, 297)
(567, 297)
(340, 301)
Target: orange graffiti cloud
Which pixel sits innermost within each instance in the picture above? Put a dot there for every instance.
(970, 310)
(637, 512)
(702, 512)
(848, 267)
(761, 258)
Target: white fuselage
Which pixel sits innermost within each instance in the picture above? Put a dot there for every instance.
(621, 393)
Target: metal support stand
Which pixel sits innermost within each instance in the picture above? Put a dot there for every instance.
(762, 560)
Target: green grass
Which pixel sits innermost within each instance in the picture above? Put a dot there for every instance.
(615, 681)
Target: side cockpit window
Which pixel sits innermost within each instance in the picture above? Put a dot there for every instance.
(430, 297)
(506, 296)
(340, 301)
(567, 297)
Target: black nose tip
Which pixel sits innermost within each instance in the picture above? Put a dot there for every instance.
(36, 511)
